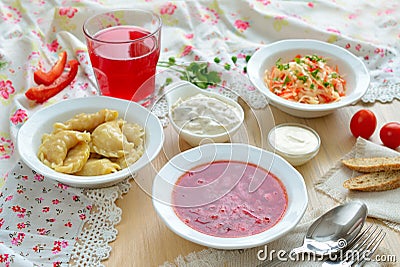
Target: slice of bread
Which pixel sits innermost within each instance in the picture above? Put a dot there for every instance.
(373, 164)
(377, 181)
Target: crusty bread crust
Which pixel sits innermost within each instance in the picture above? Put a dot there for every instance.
(377, 181)
(368, 165)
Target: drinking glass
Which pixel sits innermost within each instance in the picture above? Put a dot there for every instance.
(124, 47)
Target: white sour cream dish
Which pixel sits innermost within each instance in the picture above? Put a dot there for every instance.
(295, 142)
(200, 116)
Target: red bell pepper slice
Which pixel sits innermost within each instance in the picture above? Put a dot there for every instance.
(42, 92)
(49, 77)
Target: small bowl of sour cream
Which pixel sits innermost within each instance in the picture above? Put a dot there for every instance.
(201, 116)
(295, 142)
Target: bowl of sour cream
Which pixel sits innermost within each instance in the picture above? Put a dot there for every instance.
(295, 142)
(201, 116)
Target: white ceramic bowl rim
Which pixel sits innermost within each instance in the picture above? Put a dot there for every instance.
(30, 133)
(166, 178)
(318, 46)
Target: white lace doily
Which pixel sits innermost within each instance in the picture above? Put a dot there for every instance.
(101, 223)
(384, 93)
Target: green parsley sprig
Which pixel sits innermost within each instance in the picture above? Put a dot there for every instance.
(196, 72)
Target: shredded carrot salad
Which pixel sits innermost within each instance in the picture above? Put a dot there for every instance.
(306, 79)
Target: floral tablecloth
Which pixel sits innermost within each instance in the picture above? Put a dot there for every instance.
(42, 221)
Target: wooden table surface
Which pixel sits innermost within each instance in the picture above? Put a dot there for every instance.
(143, 239)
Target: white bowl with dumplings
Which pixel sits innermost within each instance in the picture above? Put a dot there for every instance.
(42, 122)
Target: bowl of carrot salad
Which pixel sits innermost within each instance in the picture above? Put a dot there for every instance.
(308, 78)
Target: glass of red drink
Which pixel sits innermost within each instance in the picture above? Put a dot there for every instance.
(124, 47)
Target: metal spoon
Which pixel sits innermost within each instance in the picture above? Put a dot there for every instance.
(332, 231)
(335, 229)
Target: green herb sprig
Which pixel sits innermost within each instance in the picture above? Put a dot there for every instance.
(196, 72)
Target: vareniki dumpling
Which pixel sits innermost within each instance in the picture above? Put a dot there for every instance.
(87, 122)
(76, 158)
(107, 140)
(132, 154)
(133, 133)
(133, 144)
(54, 147)
(98, 167)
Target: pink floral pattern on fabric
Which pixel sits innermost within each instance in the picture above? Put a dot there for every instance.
(31, 216)
(6, 89)
(186, 50)
(208, 15)
(6, 148)
(19, 117)
(168, 9)
(53, 46)
(10, 14)
(264, 2)
(68, 11)
(241, 25)
(4, 258)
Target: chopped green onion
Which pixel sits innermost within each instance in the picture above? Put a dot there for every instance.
(315, 58)
(281, 66)
(314, 73)
(302, 78)
(286, 80)
(278, 62)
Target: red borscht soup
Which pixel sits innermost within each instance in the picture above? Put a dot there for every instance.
(215, 199)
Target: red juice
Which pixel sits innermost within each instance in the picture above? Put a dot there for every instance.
(124, 60)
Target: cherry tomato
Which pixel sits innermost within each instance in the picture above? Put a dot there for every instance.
(390, 134)
(363, 123)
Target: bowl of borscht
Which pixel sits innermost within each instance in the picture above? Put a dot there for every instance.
(229, 195)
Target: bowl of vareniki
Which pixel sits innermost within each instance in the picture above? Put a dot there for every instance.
(90, 142)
